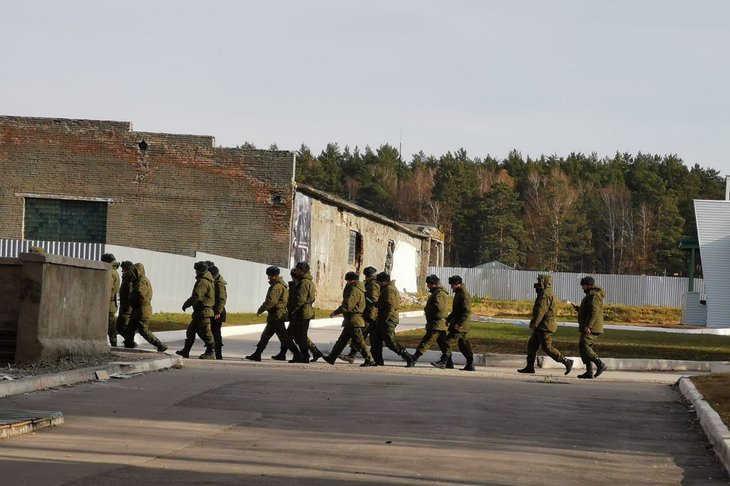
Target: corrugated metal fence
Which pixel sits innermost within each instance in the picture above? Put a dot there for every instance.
(172, 276)
(638, 290)
(88, 251)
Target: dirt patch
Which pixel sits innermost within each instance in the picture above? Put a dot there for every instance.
(68, 363)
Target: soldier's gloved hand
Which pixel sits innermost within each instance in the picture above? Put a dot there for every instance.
(184, 307)
(217, 316)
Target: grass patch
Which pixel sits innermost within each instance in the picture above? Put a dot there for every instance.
(522, 309)
(715, 388)
(504, 338)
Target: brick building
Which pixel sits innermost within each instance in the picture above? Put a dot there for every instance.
(102, 182)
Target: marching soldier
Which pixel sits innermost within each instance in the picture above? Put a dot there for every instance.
(114, 276)
(459, 321)
(590, 326)
(140, 303)
(202, 301)
(372, 292)
(302, 313)
(352, 307)
(219, 309)
(435, 311)
(387, 320)
(275, 306)
(543, 326)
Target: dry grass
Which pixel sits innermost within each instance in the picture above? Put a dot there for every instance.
(716, 390)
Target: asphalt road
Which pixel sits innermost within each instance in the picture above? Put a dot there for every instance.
(237, 422)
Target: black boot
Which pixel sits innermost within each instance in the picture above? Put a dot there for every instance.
(568, 364)
(185, 351)
(209, 354)
(330, 359)
(449, 363)
(282, 354)
(530, 368)
(589, 371)
(407, 358)
(416, 356)
(441, 363)
(600, 367)
(256, 356)
(378, 356)
(219, 352)
(352, 353)
(316, 354)
(113, 342)
(469, 365)
(161, 348)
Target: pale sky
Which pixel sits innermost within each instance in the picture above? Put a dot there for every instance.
(539, 76)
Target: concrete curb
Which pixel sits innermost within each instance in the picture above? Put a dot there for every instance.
(42, 382)
(715, 430)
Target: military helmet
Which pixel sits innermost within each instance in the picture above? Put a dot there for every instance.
(588, 281)
(273, 271)
(107, 257)
(455, 280)
(369, 271)
(383, 277)
(352, 276)
(432, 279)
(200, 266)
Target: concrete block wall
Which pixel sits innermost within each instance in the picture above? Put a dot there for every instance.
(63, 307)
(180, 195)
(10, 276)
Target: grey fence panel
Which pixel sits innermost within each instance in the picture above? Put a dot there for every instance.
(90, 251)
(638, 290)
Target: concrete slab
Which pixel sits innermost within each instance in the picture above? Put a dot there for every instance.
(18, 422)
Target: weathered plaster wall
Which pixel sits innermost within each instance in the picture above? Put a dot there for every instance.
(330, 249)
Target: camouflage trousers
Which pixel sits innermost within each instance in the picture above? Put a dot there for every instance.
(384, 334)
(459, 338)
(112, 327)
(299, 333)
(585, 347)
(139, 325)
(353, 334)
(278, 328)
(542, 339)
(215, 329)
(432, 337)
(122, 324)
(201, 327)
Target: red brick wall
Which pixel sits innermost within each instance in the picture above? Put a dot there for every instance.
(184, 194)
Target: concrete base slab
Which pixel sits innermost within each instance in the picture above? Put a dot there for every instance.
(18, 422)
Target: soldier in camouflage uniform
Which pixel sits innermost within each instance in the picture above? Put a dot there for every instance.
(590, 326)
(140, 302)
(435, 312)
(384, 332)
(125, 288)
(281, 355)
(302, 312)
(543, 326)
(202, 301)
(372, 292)
(353, 305)
(114, 276)
(459, 322)
(275, 304)
(219, 309)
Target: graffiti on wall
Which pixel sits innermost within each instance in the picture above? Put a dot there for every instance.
(301, 230)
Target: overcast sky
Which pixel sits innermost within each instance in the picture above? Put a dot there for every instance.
(542, 77)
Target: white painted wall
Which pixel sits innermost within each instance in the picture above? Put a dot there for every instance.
(713, 231)
(405, 266)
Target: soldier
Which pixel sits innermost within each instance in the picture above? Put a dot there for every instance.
(114, 276)
(590, 326)
(543, 326)
(125, 289)
(140, 302)
(384, 332)
(281, 356)
(435, 311)
(459, 321)
(219, 309)
(372, 292)
(275, 305)
(353, 305)
(302, 313)
(202, 301)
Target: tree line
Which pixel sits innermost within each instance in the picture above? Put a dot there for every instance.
(624, 214)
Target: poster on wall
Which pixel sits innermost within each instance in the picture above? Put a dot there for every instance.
(301, 235)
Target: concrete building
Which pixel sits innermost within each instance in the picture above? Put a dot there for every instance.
(102, 182)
